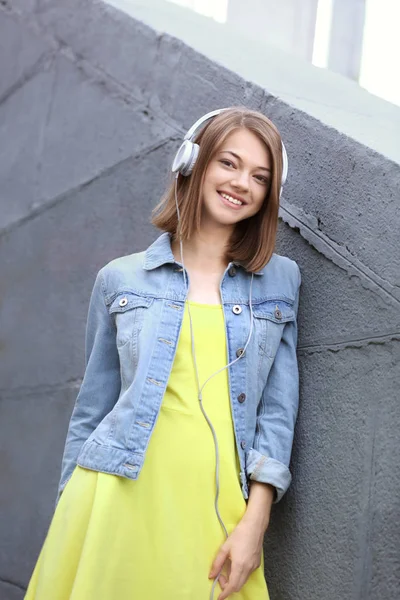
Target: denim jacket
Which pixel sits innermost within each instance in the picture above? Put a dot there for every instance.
(135, 316)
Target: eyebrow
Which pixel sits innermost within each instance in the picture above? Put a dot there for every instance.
(238, 157)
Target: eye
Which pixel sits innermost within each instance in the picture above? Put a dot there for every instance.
(262, 179)
(226, 162)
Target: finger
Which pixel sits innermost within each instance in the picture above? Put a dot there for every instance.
(235, 582)
(222, 581)
(218, 562)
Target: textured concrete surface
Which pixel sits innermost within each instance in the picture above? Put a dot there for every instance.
(92, 106)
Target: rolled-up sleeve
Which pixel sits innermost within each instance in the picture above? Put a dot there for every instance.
(268, 459)
(101, 383)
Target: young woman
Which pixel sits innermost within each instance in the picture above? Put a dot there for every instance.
(181, 435)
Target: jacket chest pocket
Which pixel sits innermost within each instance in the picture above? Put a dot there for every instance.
(270, 318)
(129, 312)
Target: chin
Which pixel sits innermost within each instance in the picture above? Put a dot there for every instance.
(222, 216)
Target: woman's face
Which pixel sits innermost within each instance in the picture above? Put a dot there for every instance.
(237, 179)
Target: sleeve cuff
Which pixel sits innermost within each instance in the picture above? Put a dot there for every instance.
(268, 470)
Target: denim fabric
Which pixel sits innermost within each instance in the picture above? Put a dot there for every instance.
(133, 327)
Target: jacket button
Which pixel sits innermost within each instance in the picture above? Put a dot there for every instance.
(239, 352)
(243, 444)
(123, 302)
(237, 309)
(241, 398)
(232, 271)
(277, 313)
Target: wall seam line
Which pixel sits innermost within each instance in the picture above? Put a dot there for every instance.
(61, 197)
(334, 252)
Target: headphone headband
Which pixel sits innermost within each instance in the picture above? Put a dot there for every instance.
(187, 154)
(194, 128)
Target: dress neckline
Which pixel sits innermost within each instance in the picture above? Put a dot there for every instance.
(202, 304)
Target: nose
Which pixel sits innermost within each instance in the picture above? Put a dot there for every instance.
(241, 179)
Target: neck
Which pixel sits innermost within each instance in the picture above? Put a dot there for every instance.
(205, 250)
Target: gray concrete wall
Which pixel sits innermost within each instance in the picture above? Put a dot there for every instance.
(92, 106)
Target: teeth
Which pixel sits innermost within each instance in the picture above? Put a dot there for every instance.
(230, 199)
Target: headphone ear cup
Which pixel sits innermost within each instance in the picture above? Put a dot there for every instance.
(285, 168)
(185, 158)
(182, 157)
(188, 168)
(285, 165)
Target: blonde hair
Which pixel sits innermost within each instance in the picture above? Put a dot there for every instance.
(253, 240)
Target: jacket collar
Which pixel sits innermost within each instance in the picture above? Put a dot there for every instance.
(160, 253)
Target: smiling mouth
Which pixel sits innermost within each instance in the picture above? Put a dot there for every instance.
(231, 199)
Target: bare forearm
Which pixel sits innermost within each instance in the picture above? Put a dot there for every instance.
(259, 505)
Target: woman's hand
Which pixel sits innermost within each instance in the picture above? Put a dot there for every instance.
(240, 555)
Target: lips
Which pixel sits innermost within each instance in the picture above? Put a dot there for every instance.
(235, 196)
(229, 204)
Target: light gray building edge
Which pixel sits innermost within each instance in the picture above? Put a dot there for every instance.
(93, 104)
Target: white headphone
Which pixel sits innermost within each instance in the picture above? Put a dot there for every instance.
(188, 152)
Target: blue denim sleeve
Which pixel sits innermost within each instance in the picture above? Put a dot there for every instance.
(101, 383)
(268, 460)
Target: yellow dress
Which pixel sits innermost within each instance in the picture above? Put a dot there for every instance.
(155, 538)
